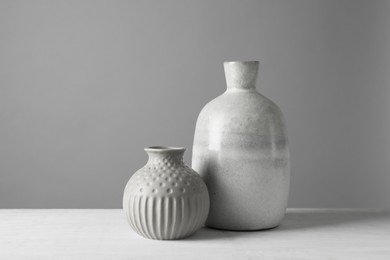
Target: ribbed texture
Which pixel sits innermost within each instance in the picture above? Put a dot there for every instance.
(166, 199)
(166, 217)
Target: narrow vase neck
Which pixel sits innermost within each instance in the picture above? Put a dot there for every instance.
(164, 155)
(241, 75)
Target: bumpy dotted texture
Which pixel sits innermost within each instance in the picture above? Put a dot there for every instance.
(166, 200)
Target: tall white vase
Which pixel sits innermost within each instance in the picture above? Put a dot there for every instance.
(240, 149)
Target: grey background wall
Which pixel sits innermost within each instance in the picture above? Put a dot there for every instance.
(85, 85)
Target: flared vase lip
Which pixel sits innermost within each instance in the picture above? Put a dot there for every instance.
(161, 148)
(242, 61)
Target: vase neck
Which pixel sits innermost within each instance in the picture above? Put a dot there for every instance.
(165, 155)
(241, 75)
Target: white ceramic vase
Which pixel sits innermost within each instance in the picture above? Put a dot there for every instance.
(166, 199)
(240, 150)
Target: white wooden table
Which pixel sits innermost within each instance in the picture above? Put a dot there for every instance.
(104, 234)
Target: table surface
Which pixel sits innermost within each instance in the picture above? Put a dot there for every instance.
(104, 234)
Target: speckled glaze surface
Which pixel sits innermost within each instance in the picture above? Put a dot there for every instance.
(240, 149)
(166, 199)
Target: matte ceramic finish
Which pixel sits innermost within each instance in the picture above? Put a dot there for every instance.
(240, 150)
(166, 199)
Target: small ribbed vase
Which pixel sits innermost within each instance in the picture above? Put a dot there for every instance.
(166, 199)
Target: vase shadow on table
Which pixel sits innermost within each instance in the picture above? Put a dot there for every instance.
(294, 221)
(322, 218)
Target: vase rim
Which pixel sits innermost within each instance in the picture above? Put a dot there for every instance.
(241, 61)
(160, 148)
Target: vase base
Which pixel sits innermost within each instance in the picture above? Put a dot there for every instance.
(243, 230)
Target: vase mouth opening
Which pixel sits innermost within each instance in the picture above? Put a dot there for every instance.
(164, 149)
(242, 61)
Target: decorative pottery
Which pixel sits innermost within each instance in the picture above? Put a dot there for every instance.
(166, 199)
(240, 150)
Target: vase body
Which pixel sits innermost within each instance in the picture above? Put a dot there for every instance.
(240, 149)
(165, 199)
